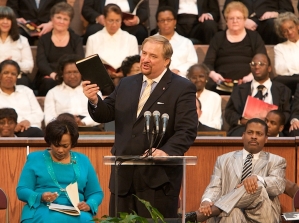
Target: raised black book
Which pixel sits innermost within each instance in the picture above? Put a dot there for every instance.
(93, 70)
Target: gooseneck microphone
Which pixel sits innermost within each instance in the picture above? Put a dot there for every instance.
(147, 116)
(165, 118)
(156, 115)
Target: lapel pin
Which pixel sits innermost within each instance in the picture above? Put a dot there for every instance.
(163, 88)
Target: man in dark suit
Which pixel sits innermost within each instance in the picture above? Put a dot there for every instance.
(92, 11)
(262, 14)
(272, 93)
(167, 93)
(39, 13)
(196, 20)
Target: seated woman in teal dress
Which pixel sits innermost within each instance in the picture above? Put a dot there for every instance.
(47, 173)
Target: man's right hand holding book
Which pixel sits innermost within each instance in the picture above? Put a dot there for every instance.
(91, 92)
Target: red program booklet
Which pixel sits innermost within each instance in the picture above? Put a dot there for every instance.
(255, 108)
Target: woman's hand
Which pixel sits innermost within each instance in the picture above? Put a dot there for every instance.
(247, 78)
(49, 197)
(216, 77)
(83, 206)
(22, 126)
(45, 28)
(132, 22)
(53, 75)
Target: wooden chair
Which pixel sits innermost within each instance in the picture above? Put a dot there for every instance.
(4, 203)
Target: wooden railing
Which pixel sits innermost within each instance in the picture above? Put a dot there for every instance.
(13, 158)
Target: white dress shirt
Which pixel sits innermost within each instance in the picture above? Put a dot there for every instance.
(286, 56)
(266, 91)
(112, 48)
(25, 103)
(19, 51)
(188, 7)
(184, 54)
(211, 109)
(63, 98)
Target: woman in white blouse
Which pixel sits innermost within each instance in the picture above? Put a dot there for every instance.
(112, 43)
(287, 53)
(13, 46)
(184, 54)
(211, 115)
(20, 98)
(68, 96)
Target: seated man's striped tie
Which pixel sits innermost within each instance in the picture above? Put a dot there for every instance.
(247, 168)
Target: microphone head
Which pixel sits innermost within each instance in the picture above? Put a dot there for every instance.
(147, 113)
(156, 113)
(165, 115)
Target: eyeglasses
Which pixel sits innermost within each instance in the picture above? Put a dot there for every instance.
(110, 21)
(9, 122)
(260, 64)
(165, 20)
(71, 72)
(231, 19)
(6, 73)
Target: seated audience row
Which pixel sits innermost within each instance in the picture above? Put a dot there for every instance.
(197, 20)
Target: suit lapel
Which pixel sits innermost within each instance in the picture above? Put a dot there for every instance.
(158, 91)
(260, 163)
(34, 4)
(275, 94)
(245, 90)
(238, 164)
(135, 92)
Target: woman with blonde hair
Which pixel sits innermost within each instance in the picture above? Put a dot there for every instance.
(231, 50)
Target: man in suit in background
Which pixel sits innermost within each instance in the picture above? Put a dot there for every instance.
(262, 14)
(37, 11)
(245, 184)
(275, 120)
(155, 88)
(92, 11)
(272, 93)
(197, 20)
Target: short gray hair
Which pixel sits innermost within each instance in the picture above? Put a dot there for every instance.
(283, 17)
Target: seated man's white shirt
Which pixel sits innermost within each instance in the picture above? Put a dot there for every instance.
(211, 109)
(112, 49)
(25, 103)
(62, 99)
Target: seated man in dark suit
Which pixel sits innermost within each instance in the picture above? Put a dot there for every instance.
(271, 92)
(8, 122)
(262, 14)
(93, 10)
(201, 127)
(275, 120)
(39, 13)
(197, 20)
